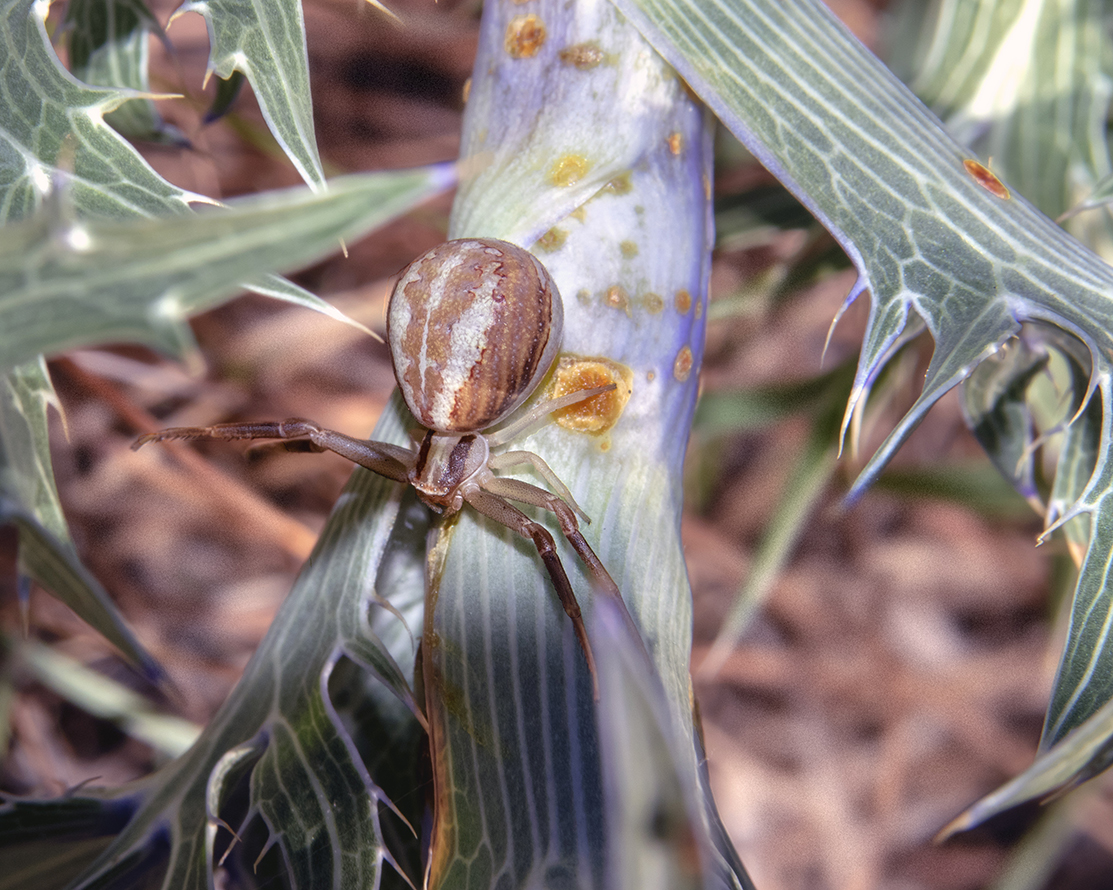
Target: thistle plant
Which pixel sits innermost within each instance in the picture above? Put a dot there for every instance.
(587, 139)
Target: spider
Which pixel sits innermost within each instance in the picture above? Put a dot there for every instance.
(473, 327)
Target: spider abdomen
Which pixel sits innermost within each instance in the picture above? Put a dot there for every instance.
(473, 326)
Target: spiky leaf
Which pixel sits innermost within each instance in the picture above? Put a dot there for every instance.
(1028, 85)
(932, 238)
(29, 499)
(51, 123)
(264, 40)
(280, 733)
(108, 41)
(66, 283)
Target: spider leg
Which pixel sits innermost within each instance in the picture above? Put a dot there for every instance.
(380, 457)
(525, 493)
(515, 458)
(495, 507)
(539, 412)
(259, 450)
(601, 579)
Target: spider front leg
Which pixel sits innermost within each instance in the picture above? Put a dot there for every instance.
(509, 459)
(525, 493)
(495, 507)
(379, 457)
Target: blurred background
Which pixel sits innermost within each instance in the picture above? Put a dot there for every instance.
(896, 659)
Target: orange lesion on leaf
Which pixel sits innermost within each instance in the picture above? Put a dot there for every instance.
(983, 176)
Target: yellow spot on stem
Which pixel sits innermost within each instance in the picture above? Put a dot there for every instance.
(629, 249)
(653, 303)
(583, 56)
(682, 367)
(568, 170)
(552, 240)
(683, 302)
(620, 185)
(676, 142)
(599, 413)
(525, 35)
(617, 298)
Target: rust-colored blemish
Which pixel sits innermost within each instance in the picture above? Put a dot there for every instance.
(629, 249)
(583, 56)
(620, 185)
(466, 91)
(599, 413)
(682, 367)
(552, 240)
(699, 310)
(525, 35)
(683, 302)
(650, 376)
(616, 297)
(688, 91)
(676, 142)
(984, 177)
(653, 303)
(568, 170)
(706, 187)
(456, 704)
